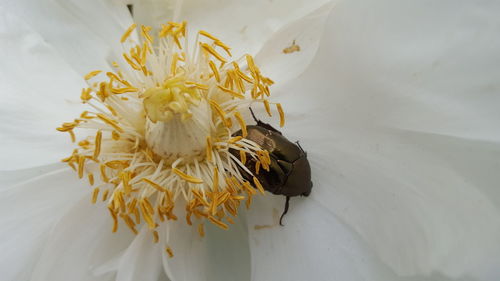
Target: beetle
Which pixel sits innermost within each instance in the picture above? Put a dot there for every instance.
(289, 172)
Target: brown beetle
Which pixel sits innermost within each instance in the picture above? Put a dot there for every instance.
(289, 172)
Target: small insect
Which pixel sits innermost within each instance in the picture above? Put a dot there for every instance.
(289, 172)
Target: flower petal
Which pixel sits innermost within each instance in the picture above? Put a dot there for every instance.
(407, 203)
(220, 255)
(312, 245)
(291, 49)
(142, 259)
(34, 82)
(419, 67)
(244, 26)
(8, 178)
(85, 33)
(29, 210)
(80, 242)
(388, 112)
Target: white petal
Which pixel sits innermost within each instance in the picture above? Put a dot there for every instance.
(280, 59)
(80, 242)
(220, 255)
(142, 259)
(415, 66)
(35, 85)
(384, 72)
(244, 26)
(411, 206)
(28, 212)
(85, 33)
(312, 245)
(190, 252)
(8, 178)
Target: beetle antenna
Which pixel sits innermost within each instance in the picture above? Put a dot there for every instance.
(253, 115)
(286, 209)
(298, 144)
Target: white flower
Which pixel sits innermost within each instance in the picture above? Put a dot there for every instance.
(398, 112)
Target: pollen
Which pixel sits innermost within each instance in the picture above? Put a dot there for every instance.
(160, 131)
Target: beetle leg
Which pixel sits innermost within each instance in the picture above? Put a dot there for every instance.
(286, 209)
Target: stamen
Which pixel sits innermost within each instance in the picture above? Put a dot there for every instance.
(268, 108)
(162, 131)
(282, 114)
(95, 194)
(258, 185)
(243, 126)
(92, 74)
(128, 32)
(169, 252)
(214, 53)
(186, 177)
(97, 149)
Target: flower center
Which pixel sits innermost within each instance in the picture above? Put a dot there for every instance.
(164, 125)
(178, 120)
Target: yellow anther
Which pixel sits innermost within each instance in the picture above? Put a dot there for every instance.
(110, 122)
(128, 32)
(126, 177)
(214, 53)
(258, 185)
(111, 75)
(105, 195)
(154, 185)
(268, 107)
(218, 223)
(231, 92)
(220, 112)
(165, 30)
(173, 65)
(115, 135)
(156, 237)
(81, 165)
(215, 185)
(145, 33)
(123, 90)
(235, 139)
(226, 48)
(104, 177)
(209, 149)
(243, 157)
(169, 252)
(92, 74)
(86, 96)
(91, 178)
(72, 135)
(186, 177)
(251, 63)
(282, 114)
(257, 167)
(241, 121)
(131, 63)
(206, 34)
(95, 194)
(214, 70)
(97, 142)
(196, 85)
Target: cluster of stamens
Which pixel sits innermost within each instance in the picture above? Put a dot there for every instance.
(164, 123)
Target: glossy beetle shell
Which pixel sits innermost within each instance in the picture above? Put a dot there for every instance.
(290, 172)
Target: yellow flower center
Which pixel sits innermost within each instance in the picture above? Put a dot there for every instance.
(164, 123)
